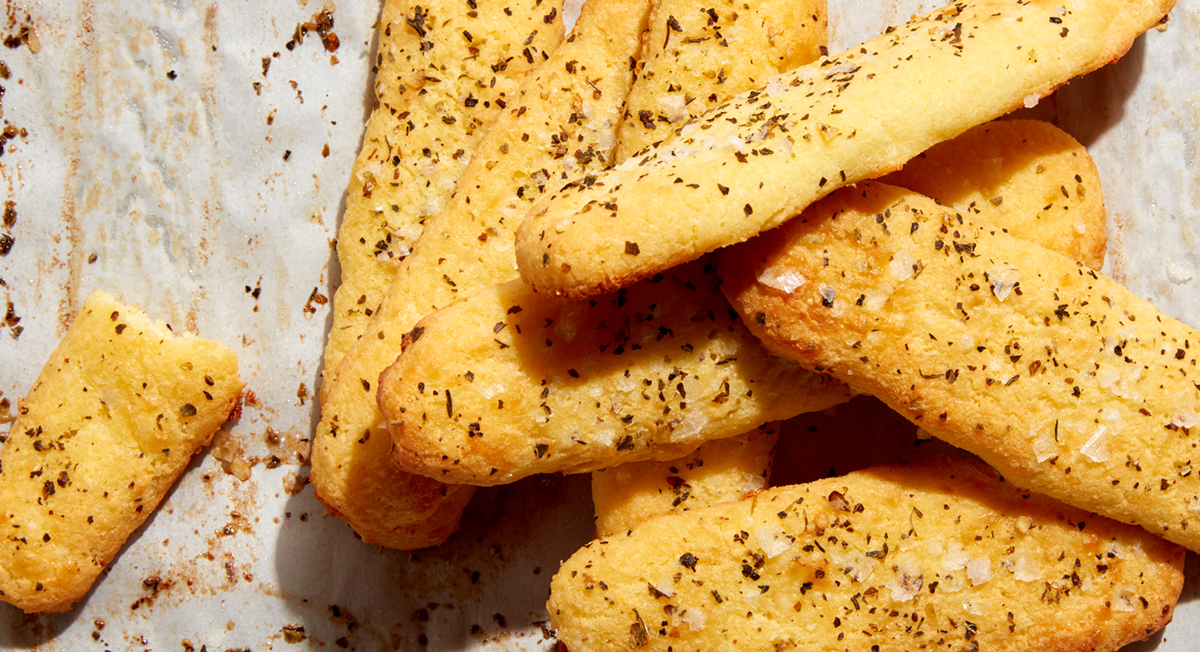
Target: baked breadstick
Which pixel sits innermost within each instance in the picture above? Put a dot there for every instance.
(563, 120)
(1027, 176)
(719, 471)
(509, 383)
(753, 163)
(111, 422)
(443, 70)
(1054, 374)
(940, 553)
(698, 55)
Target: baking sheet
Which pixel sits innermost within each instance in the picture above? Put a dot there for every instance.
(191, 157)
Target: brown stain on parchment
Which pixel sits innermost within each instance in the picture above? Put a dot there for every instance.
(79, 75)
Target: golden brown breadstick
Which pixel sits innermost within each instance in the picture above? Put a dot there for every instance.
(436, 92)
(940, 554)
(509, 383)
(564, 119)
(1027, 176)
(755, 162)
(699, 54)
(1054, 374)
(111, 422)
(719, 471)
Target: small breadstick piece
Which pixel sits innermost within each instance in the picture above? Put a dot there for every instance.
(444, 70)
(939, 553)
(753, 163)
(697, 55)
(111, 422)
(1027, 176)
(564, 118)
(717, 472)
(508, 383)
(1054, 374)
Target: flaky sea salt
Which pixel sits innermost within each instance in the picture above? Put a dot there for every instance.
(772, 540)
(1004, 278)
(782, 279)
(754, 482)
(1096, 448)
(979, 570)
(901, 265)
(694, 618)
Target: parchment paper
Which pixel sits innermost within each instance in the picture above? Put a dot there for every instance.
(191, 158)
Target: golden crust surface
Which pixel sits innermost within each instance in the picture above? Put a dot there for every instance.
(1027, 176)
(436, 93)
(1054, 374)
(938, 553)
(719, 471)
(564, 117)
(509, 383)
(111, 422)
(696, 55)
(753, 163)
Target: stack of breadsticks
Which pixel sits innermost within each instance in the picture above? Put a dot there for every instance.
(589, 291)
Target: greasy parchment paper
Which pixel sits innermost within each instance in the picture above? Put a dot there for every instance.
(158, 155)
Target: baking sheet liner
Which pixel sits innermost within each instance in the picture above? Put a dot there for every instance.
(192, 157)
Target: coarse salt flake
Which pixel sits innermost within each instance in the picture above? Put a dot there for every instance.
(1031, 100)
(1123, 600)
(1186, 420)
(1096, 448)
(772, 540)
(694, 618)
(1044, 447)
(782, 279)
(775, 87)
(979, 570)
(664, 587)
(1025, 567)
(902, 265)
(753, 483)
(1004, 278)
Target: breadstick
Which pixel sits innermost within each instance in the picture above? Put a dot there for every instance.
(509, 383)
(719, 471)
(1027, 176)
(753, 163)
(111, 422)
(564, 119)
(940, 554)
(1054, 374)
(699, 54)
(436, 92)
